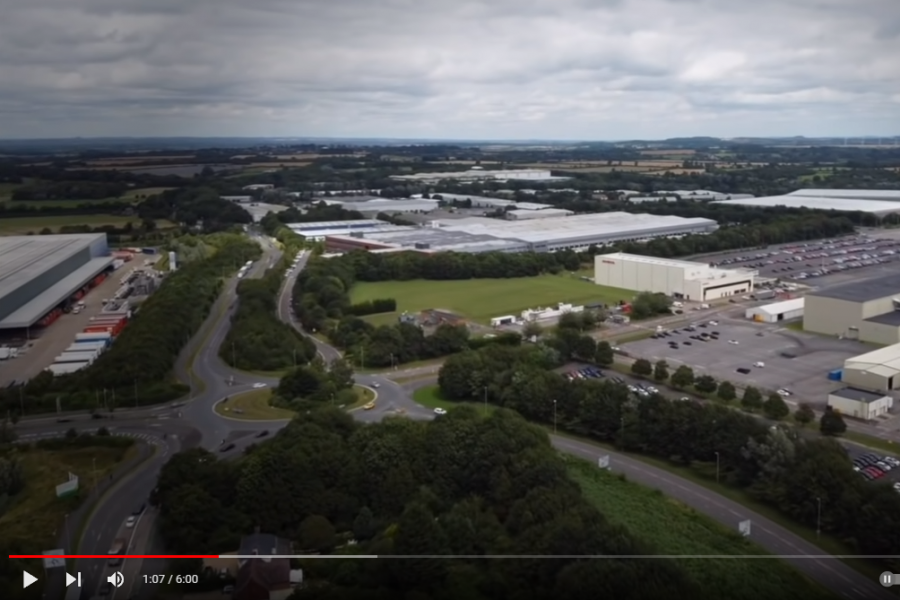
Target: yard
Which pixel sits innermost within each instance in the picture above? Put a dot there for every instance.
(482, 299)
(673, 529)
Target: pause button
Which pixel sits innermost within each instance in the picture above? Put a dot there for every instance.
(888, 579)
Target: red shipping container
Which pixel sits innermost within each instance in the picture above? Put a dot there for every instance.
(97, 330)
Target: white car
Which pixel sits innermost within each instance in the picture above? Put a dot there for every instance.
(259, 385)
(375, 385)
(440, 411)
(129, 522)
(891, 461)
(759, 364)
(784, 392)
(713, 323)
(733, 342)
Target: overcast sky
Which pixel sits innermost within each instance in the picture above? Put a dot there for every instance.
(491, 69)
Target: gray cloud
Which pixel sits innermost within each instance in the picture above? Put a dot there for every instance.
(561, 69)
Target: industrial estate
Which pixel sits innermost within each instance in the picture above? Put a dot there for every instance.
(729, 312)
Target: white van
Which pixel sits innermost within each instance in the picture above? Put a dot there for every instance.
(759, 364)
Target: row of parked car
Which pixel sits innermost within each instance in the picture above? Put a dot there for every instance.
(585, 373)
(871, 466)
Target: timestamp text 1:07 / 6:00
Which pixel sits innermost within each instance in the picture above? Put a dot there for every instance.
(171, 579)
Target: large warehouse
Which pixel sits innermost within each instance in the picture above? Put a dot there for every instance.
(483, 234)
(777, 311)
(879, 202)
(865, 310)
(38, 273)
(677, 278)
(877, 370)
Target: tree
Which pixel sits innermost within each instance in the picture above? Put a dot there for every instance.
(418, 534)
(752, 398)
(804, 415)
(683, 377)
(532, 330)
(661, 370)
(705, 384)
(642, 367)
(364, 527)
(726, 391)
(317, 533)
(604, 354)
(831, 422)
(775, 407)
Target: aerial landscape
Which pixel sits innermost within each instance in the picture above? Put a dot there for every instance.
(552, 301)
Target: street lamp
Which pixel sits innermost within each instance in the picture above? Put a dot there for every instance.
(554, 416)
(818, 517)
(623, 432)
(485, 400)
(717, 467)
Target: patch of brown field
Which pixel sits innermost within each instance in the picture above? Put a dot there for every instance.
(681, 152)
(677, 172)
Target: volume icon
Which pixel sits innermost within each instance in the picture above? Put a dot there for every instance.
(116, 579)
(888, 579)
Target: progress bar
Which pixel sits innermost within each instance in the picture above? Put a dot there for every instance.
(485, 556)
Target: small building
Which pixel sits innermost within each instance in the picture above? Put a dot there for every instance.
(877, 370)
(778, 311)
(860, 404)
(865, 310)
(677, 278)
(504, 320)
(267, 577)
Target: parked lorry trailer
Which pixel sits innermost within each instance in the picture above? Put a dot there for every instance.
(93, 336)
(69, 357)
(65, 368)
(87, 347)
(90, 342)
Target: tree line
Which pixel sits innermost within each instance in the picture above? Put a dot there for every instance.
(194, 205)
(460, 485)
(137, 367)
(308, 387)
(257, 340)
(776, 465)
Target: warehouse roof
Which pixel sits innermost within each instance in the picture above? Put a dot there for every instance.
(862, 291)
(856, 394)
(385, 205)
(819, 203)
(540, 214)
(23, 257)
(778, 308)
(887, 357)
(29, 313)
(889, 195)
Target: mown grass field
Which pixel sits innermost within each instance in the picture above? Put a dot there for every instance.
(481, 299)
(22, 225)
(672, 528)
(430, 397)
(253, 406)
(143, 192)
(35, 515)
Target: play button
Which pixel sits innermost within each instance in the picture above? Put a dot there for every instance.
(27, 579)
(69, 580)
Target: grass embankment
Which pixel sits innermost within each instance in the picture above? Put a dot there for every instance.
(482, 299)
(255, 405)
(36, 514)
(430, 397)
(672, 528)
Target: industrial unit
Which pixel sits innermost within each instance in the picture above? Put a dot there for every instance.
(860, 404)
(879, 202)
(480, 174)
(524, 214)
(777, 311)
(39, 274)
(482, 234)
(876, 370)
(865, 310)
(676, 278)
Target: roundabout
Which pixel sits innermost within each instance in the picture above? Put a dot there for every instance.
(255, 405)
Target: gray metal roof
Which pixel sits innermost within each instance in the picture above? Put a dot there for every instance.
(862, 291)
(883, 205)
(856, 394)
(23, 257)
(887, 195)
(891, 318)
(37, 307)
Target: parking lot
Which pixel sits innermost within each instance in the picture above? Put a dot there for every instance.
(874, 466)
(820, 263)
(790, 360)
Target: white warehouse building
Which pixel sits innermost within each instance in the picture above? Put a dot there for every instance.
(875, 370)
(860, 404)
(777, 311)
(677, 278)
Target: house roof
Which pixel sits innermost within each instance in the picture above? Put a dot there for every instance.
(269, 574)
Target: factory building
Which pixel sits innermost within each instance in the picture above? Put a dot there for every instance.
(876, 370)
(481, 174)
(524, 214)
(676, 278)
(860, 404)
(878, 202)
(318, 231)
(383, 205)
(777, 311)
(865, 310)
(39, 274)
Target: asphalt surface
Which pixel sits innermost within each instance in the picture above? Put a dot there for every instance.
(194, 422)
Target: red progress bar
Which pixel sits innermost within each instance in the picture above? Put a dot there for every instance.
(107, 556)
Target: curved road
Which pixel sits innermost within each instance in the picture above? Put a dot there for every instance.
(194, 422)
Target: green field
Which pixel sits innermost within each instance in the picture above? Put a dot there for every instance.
(58, 203)
(672, 528)
(482, 299)
(144, 192)
(22, 225)
(430, 397)
(255, 405)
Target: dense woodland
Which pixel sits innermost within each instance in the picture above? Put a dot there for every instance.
(779, 466)
(137, 368)
(193, 206)
(462, 484)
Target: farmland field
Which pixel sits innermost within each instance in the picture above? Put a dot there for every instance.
(133, 194)
(482, 299)
(672, 528)
(6, 190)
(57, 203)
(21, 226)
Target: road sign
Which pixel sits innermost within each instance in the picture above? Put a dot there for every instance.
(27, 579)
(52, 560)
(744, 528)
(603, 462)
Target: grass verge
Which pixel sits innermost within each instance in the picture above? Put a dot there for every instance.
(364, 395)
(430, 397)
(35, 515)
(690, 533)
(418, 364)
(872, 442)
(253, 406)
